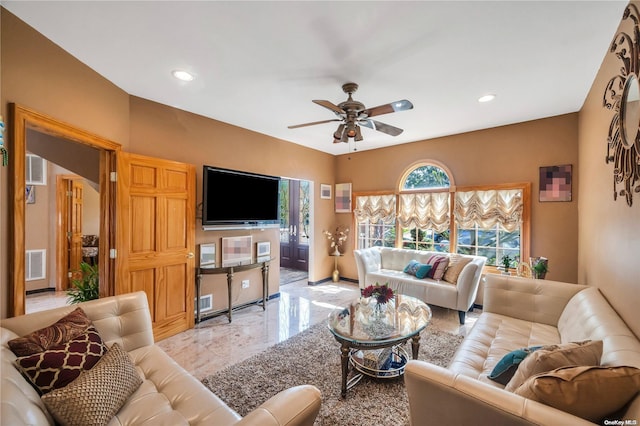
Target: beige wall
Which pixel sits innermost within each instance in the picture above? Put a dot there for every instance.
(162, 131)
(38, 74)
(609, 243)
(506, 154)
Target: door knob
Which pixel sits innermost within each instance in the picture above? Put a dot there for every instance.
(190, 255)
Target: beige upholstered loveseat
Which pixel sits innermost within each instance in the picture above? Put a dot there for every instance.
(520, 312)
(168, 395)
(386, 265)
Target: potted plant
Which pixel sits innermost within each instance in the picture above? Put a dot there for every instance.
(539, 266)
(506, 263)
(86, 288)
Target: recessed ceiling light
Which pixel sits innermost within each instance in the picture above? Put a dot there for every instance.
(182, 75)
(487, 98)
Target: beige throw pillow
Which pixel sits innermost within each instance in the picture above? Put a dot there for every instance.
(98, 394)
(590, 392)
(456, 264)
(551, 357)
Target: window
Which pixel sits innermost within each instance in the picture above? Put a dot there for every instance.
(491, 243)
(430, 213)
(375, 220)
(426, 176)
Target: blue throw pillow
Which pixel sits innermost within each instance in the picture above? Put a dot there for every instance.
(507, 366)
(417, 269)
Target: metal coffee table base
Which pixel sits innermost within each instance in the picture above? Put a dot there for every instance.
(347, 349)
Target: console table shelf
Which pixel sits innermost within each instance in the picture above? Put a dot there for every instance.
(230, 270)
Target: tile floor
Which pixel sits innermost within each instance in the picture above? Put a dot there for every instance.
(215, 343)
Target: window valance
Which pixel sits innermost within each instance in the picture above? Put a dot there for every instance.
(425, 210)
(489, 208)
(375, 208)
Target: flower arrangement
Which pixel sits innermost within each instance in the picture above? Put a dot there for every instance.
(382, 293)
(337, 238)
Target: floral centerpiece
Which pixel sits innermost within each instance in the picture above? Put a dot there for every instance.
(382, 293)
(337, 239)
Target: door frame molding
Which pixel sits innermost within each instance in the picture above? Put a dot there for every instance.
(23, 118)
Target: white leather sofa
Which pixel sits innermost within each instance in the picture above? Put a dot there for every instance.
(385, 265)
(168, 394)
(518, 312)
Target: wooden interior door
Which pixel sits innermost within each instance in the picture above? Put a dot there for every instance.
(156, 238)
(75, 227)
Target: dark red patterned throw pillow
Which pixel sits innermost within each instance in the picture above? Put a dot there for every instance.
(66, 328)
(58, 366)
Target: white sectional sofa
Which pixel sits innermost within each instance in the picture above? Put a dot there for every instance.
(517, 313)
(385, 265)
(168, 394)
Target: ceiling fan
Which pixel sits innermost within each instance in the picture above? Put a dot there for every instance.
(353, 114)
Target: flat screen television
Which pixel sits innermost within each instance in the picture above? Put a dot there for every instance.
(236, 199)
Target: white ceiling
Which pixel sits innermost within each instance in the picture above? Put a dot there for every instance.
(259, 64)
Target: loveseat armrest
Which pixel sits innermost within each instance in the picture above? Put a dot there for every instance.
(298, 405)
(367, 260)
(440, 396)
(528, 299)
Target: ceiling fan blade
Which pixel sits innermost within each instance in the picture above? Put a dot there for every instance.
(313, 123)
(329, 105)
(396, 106)
(381, 127)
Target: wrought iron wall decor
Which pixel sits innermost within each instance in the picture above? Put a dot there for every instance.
(622, 95)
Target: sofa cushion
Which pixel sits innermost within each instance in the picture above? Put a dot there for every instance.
(590, 392)
(551, 357)
(58, 333)
(507, 366)
(456, 264)
(60, 365)
(438, 264)
(97, 395)
(417, 269)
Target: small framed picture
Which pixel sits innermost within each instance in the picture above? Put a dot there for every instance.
(208, 255)
(263, 251)
(343, 198)
(30, 194)
(325, 191)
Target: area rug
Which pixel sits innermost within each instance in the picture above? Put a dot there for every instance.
(313, 357)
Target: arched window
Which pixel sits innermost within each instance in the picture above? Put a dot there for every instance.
(425, 176)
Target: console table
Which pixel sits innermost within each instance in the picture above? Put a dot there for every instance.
(230, 270)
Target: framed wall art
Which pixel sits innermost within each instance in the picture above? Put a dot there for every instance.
(325, 191)
(343, 198)
(555, 183)
(263, 251)
(208, 255)
(236, 251)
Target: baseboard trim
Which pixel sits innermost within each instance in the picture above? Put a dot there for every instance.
(40, 290)
(258, 302)
(324, 280)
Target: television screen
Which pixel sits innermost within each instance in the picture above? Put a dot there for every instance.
(235, 198)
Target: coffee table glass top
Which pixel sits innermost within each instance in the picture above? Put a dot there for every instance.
(363, 322)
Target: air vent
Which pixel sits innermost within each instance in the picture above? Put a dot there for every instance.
(206, 303)
(35, 170)
(35, 265)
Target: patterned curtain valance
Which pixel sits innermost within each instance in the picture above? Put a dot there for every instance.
(425, 210)
(489, 208)
(375, 208)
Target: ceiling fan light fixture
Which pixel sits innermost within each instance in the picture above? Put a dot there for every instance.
(486, 98)
(351, 130)
(182, 75)
(358, 136)
(338, 133)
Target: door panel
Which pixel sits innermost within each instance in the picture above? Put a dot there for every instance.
(294, 237)
(157, 222)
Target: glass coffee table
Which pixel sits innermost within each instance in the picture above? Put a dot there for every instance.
(372, 336)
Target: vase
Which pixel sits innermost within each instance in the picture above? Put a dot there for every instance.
(335, 277)
(336, 252)
(379, 309)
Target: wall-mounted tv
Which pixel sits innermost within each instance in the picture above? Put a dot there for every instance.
(235, 199)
